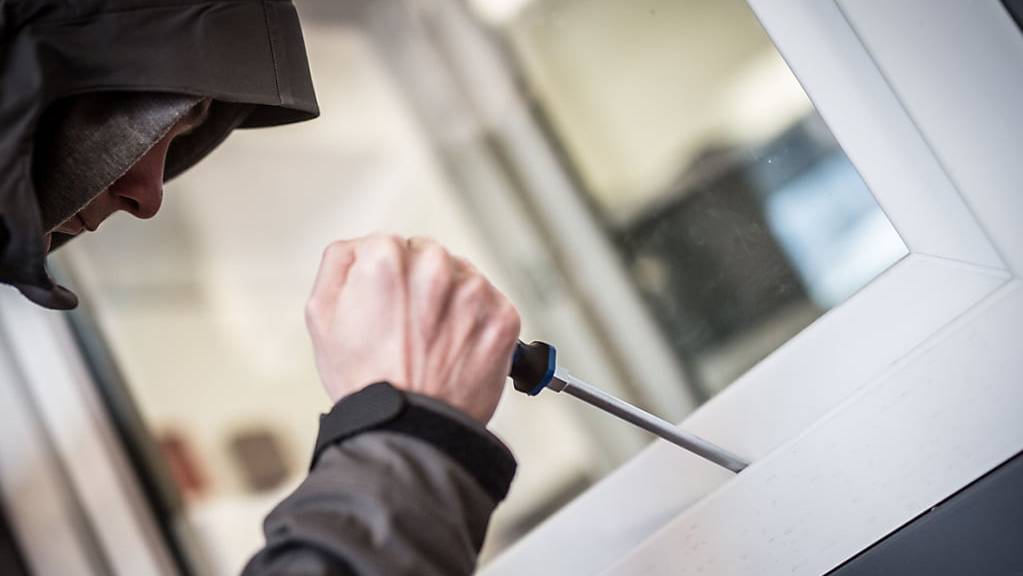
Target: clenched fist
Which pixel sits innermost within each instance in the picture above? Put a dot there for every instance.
(407, 312)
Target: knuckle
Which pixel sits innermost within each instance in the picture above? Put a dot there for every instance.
(391, 241)
(394, 246)
(507, 321)
(335, 259)
(383, 252)
(466, 267)
(377, 236)
(434, 250)
(438, 281)
(434, 258)
(476, 289)
(421, 242)
(432, 277)
(313, 314)
(331, 249)
(509, 317)
(329, 254)
(336, 249)
(377, 241)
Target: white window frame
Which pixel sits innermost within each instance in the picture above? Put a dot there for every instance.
(75, 500)
(41, 508)
(897, 398)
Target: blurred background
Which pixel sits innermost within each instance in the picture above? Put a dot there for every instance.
(646, 180)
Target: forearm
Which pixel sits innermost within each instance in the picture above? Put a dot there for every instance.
(411, 494)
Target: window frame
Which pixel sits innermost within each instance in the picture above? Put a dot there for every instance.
(815, 448)
(96, 512)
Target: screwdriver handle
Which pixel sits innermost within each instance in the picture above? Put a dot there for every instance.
(533, 366)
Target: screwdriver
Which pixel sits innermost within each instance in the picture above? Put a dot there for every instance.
(535, 367)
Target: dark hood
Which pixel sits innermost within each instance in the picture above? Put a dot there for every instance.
(247, 55)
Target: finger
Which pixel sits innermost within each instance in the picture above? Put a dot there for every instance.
(431, 279)
(375, 298)
(383, 253)
(458, 329)
(335, 264)
(473, 301)
(419, 242)
(380, 268)
(431, 282)
(464, 269)
(501, 330)
(338, 259)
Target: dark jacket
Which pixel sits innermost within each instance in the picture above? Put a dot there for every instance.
(400, 484)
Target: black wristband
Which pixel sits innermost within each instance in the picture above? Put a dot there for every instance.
(381, 406)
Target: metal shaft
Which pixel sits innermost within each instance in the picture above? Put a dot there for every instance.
(565, 382)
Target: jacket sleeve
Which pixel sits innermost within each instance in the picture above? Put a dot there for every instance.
(400, 484)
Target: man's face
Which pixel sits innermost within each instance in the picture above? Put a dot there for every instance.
(140, 190)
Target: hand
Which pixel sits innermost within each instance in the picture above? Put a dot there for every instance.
(410, 313)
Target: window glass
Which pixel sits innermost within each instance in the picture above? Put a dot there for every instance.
(736, 211)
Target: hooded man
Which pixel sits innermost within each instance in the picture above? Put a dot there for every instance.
(104, 100)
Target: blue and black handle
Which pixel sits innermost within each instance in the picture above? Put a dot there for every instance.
(533, 366)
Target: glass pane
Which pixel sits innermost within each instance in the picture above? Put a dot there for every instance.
(736, 217)
(734, 208)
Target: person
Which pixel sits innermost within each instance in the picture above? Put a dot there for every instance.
(103, 101)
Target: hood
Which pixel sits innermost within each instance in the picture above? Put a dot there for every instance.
(248, 56)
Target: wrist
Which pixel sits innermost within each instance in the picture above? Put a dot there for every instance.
(382, 407)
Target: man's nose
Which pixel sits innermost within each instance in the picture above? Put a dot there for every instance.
(140, 199)
(140, 191)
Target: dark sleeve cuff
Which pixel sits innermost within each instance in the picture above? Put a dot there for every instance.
(381, 406)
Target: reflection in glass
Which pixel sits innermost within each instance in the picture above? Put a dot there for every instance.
(737, 213)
